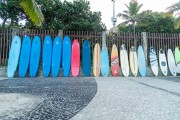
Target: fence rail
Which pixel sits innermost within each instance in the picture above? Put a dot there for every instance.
(157, 40)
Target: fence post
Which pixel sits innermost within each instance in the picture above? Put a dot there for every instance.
(103, 38)
(14, 32)
(144, 37)
(60, 34)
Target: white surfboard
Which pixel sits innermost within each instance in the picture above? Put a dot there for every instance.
(154, 61)
(163, 62)
(171, 62)
(124, 61)
(133, 61)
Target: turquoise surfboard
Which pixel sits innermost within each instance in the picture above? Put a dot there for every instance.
(56, 56)
(13, 56)
(24, 56)
(66, 56)
(47, 52)
(86, 58)
(141, 61)
(35, 56)
(104, 58)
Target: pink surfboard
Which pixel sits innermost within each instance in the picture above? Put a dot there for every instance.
(75, 58)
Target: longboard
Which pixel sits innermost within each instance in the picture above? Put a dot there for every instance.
(171, 62)
(114, 61)
(13, 56)
(66, 56)
(104, 58)
(163, 62)
(153, 61)
(24, 56)
(124, 61)
(86, 58)
(141, 61)
(133, 61)
(96, 60)
(177, 58)
(56, 56)
(75, 58)
(47, 54)
(35, 56)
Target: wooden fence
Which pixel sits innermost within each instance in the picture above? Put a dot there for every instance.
(158, 40)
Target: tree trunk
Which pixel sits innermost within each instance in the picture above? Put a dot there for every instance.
(3, 24)
(134, 30)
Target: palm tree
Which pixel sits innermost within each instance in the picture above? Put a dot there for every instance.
(175, 9)
(131, 15)
(33, 11)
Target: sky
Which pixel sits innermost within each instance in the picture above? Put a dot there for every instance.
(106, 8)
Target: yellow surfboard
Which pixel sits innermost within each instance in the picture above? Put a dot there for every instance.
(133, 61)
(96, 60)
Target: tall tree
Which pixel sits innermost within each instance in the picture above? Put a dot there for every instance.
(175, 9)
(153, 22)
(72, 16)
(130, 15)
(11, 12)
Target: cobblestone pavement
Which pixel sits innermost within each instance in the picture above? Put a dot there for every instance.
(140, 98)
(44, 98)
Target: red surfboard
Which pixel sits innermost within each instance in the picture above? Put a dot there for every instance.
(75, 58)
(114, 61)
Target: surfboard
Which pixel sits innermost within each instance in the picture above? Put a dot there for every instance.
(124, 61)
(96, 60)
(86, 58)
(13, 56)
(75, 58)
(35, 56)
(24, 56)
(133, 61)
(114, 61)
(177, 58)
(104, 58)
(56, 56)
(141, 61)
(171, 62)
(163, 62)
(66, 56)
(154, 61)
(47, 54)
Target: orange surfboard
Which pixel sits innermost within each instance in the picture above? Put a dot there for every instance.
(114, 61)
(96, 60)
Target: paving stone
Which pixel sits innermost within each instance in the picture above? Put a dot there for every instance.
(62, 97)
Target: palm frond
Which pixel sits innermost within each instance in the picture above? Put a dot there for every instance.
(32, 10)
(124, 16)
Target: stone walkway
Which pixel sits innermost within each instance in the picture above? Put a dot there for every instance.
(111, 98)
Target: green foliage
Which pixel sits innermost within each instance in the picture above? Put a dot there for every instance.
(153, 22)
(72, 16)
(11, 12)
(32, 10)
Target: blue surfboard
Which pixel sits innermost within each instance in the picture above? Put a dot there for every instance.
(13, 56)
(66, 56)
(24, 56)
(47, 52)
(56, 56)
(35, 56)
(104, 58)
(86, 58)
(141, 61)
